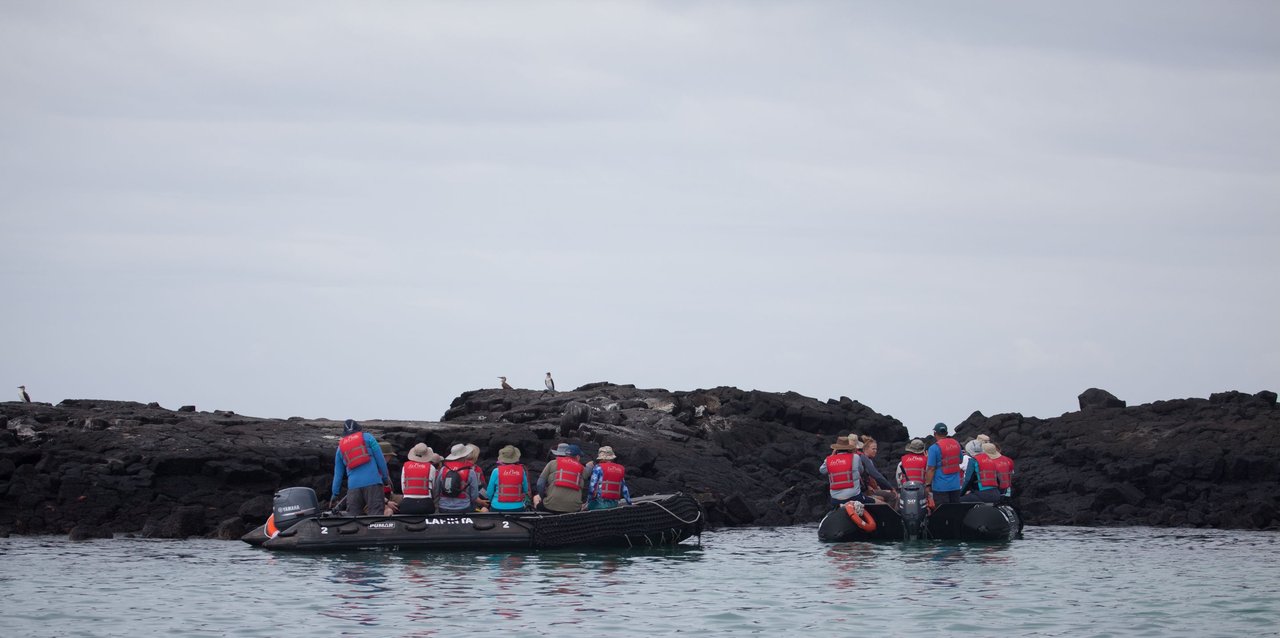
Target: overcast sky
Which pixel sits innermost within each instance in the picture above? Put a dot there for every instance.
(365, 209)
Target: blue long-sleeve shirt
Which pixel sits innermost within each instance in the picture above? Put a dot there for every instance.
(593, 488)
(493, 490)
(971, 473)
(371, 473)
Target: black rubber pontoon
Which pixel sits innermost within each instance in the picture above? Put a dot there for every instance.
(953, 521)
(649, 521)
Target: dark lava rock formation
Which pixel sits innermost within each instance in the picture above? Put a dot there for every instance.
(91, 468)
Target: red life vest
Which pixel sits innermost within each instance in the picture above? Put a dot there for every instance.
(986, 472)
(463, 467)
(416, 478)
(568, 473)
(611, 480)
(950, 450)
(354, 452)
(840, 471)
(1004, 472)
(510, 483)
(913, 466)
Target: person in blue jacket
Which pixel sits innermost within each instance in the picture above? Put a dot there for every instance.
(359, 458)
(942, 469)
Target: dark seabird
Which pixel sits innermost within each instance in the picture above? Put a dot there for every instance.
(550, 383)
(22, 392)
(505, 385)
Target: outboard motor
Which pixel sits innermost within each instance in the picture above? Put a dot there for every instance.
(914, 508)
(293, 504)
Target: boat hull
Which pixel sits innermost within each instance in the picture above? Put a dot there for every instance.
(953, 521)
(650, 521)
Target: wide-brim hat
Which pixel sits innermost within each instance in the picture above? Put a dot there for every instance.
(842, 444)
(421, 453)
(973, 448)
(509, 454)
(458, 451)
(916, 446)
(561, 450)
(856, 442)
(991, 450)
(605, 454)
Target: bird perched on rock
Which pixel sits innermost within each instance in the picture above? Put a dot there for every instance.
(22, 392)
(550, 383)
(505, 385)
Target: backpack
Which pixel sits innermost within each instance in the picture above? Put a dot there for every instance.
(452, 483)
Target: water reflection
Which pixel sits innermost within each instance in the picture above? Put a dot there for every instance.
(360, 583)
(850, 560)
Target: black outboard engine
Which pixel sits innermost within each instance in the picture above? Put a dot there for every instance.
(293, 504)
(914, 508)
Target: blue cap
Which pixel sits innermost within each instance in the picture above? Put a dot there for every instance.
(574, 450)
(940, 428)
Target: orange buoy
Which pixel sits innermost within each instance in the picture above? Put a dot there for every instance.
(272, 532)
(860, 516)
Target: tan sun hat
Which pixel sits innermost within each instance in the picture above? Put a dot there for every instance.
(605, 454)
(842, 444)
(509, 454)
(421, 453)
(916, 446)
(991, 450)
(458, 451)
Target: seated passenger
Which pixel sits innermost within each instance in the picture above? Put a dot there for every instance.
(911, 466)
(1004, 469)
(416, 480)
(608, 482)
(457, 484)
(844, 473)
(981, 471)
(877, 485)
(560, 484)
(508, 483)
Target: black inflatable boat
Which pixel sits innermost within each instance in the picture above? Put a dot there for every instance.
(297, 524)
(952, 521)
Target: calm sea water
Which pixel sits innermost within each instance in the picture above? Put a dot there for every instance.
(1055, 582)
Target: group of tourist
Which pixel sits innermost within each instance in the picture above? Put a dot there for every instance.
(950, 473)
(456, 484)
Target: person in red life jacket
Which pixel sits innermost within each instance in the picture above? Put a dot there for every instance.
(844, 473)
(509, 483)
(457, 484)
(416, 479)
(911, 466)
(1004, 469)
(359, 459)
(980, 476)
(942, 468)
(561, 481)
(608, 482)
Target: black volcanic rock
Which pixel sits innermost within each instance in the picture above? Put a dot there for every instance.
(751, 457)
(1184, 462)
(1094, 398)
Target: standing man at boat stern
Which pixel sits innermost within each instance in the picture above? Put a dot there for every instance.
(359, 458)
(942, 468)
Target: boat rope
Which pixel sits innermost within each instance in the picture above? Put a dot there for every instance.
(673, 514)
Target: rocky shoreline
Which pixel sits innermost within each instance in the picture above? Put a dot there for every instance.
(92, 468)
